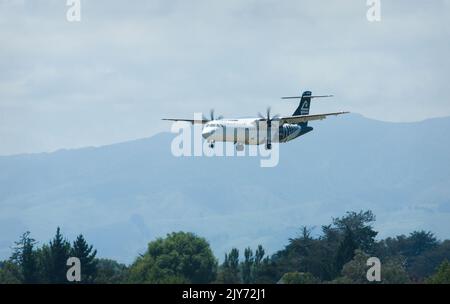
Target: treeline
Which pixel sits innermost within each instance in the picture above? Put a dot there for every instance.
(338, 254)
(47, 264)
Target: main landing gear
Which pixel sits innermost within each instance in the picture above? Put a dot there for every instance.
(239, 147)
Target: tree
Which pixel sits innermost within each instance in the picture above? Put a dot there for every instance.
(229, 270)
(413, 245)
(442, 275)
(421, 251)
(53, 259)
(303, 242)
(360, 225)
(247, 266)
(260, 266)
(419, 242)
(179, 258)
(251, 268)
(307, 254)
(110, 272)
(425, 264)
(298, 278)
(324, 256)
(25, 257)
(355, 271)
(299, 250)
(394, 272)
(10, 273)
(346, 250)
(267, 272)
(86, 254)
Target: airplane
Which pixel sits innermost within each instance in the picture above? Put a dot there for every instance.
(258, 130)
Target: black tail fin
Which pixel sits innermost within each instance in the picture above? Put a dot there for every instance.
(305, 102)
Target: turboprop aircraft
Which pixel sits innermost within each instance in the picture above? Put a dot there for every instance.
(262, 129)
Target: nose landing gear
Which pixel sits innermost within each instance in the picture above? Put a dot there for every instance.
(211, 144)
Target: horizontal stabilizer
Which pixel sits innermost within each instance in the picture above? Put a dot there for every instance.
(192, 121)
(297, 119)
(314, 96)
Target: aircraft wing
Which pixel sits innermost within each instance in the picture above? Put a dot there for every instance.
(192, 121)
(305, 118)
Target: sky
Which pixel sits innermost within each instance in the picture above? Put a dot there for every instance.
(112, 76)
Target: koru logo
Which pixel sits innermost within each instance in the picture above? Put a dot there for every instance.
(374, 272)
(74, 272)
(305, 107)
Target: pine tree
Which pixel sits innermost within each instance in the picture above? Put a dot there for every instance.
(58, 253)
(86, 254)
(25, 257)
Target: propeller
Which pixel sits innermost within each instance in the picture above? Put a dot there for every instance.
(211, 115)
(269, 120)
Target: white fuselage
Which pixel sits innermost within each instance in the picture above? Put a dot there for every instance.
(249, 131)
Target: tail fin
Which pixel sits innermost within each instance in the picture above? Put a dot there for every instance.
(305, 102)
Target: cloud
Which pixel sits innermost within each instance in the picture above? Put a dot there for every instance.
(113, 76)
